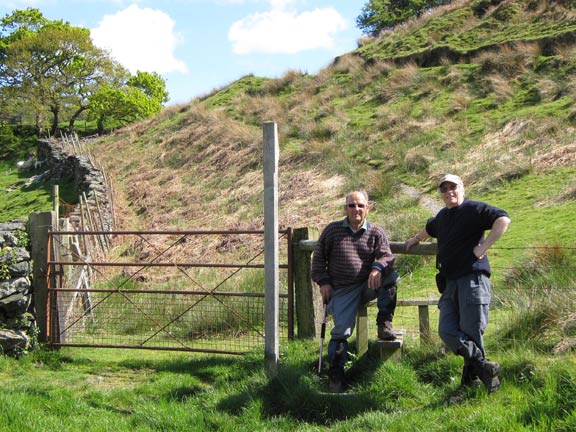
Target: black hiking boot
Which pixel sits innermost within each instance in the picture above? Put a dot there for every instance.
(469, 379)
(488, 371)
(336, 380)
(336, 370)
(385, 331)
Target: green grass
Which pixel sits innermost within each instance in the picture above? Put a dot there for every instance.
(541, 213)
(19, 198)
(249, 84)
(97, 390)
(22, 196)
(496, 27)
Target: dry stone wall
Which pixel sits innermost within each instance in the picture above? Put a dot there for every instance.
(89, 180)
(18, 327)
(17, 322)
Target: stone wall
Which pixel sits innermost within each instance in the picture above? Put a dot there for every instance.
(58, 159)
(18, 327)
(17, 323)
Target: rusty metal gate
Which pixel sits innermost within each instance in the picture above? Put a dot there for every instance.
(155, 290)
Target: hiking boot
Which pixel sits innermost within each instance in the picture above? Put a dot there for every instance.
(385, 331)
(335, 380)
(469, 379)
(487, 371)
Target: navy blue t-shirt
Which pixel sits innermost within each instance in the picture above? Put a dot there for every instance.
(459, 230)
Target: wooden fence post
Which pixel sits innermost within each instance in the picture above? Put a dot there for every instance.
(39, 225)
(424, 324)
(307, 299)
(362, 330)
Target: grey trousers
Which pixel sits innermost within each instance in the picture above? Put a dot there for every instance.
(344, 304)
(464, 307)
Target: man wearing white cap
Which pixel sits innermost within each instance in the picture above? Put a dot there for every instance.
(463, 275)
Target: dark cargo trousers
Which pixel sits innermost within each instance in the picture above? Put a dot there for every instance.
(464, 307)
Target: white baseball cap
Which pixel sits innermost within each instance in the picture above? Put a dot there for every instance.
(452, 178)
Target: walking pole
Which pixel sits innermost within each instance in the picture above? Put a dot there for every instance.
(322, 336)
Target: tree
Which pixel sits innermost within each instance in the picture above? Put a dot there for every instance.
(54, 67)
(9, 144)
(151, 84)
(51, 67)
(13, 28)
(142, 96)
(378, 15)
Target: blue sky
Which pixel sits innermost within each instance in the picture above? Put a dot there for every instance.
(200, 45)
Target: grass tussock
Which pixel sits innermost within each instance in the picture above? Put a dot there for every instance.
(541, 298)
(402, 79)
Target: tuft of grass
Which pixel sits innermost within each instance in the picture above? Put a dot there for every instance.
(540, 294)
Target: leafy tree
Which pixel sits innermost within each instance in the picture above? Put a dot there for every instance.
(141, 97)
(151, 84)
(52, 68)
(13, 28)
(55, 66)
(9, 144)
(378, 15)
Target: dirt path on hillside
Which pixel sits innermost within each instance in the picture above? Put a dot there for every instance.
(432, 205)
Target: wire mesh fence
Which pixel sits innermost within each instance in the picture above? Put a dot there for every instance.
(228, 323)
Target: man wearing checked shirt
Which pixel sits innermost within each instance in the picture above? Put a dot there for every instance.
(353, 264)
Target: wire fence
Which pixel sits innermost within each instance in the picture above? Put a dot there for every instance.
(532, 297)
(225, 323)
(163, 301)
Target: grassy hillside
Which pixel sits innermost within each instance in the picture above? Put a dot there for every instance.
(483, 89)
(25, 192)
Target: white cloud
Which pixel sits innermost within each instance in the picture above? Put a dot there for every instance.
(140, 39)
(285, 31)
(280, 4)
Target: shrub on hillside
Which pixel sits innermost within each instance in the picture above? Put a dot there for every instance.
(13, 146)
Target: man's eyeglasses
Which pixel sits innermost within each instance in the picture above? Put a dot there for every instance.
(359, 205)
(448, 187)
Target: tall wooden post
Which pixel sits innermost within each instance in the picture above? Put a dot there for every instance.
(362, 330)
(56, 202)
(271, 249)
(424, 324)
